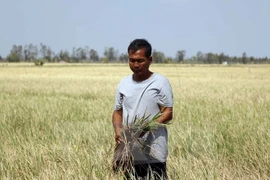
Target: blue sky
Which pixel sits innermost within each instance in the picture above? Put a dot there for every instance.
(229, 26)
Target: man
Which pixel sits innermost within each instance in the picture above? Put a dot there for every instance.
(144, 93)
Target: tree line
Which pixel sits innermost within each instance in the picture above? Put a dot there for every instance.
(42, 52)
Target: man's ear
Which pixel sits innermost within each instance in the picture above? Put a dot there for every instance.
(150, 59)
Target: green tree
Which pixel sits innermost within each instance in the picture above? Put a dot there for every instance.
(83, 53)
(46, 52)
(251, 59)
(221, 58)
(33, 52)
(158, 56)
(93, 54)
(104, 59)
(49, 54)
(64, 55)
(16, 54)
(244, 58)
(26, 53)
(55, 58)
(78, 54)
(200, 56)
(86, 51)
(111, 54)
(43, 50)
(212, 58)
(74, 57)
(13, 57)
(168, 60)
(180, 56)
(123, 57)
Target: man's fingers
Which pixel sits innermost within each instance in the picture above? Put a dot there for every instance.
(117, 139)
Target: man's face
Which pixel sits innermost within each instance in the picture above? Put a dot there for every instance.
(138, 63)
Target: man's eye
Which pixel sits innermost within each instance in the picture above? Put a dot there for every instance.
(138, 61)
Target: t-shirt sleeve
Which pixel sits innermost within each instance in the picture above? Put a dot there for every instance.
(118, 99)
(165, 96)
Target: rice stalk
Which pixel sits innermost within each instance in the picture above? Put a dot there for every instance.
(132, 134)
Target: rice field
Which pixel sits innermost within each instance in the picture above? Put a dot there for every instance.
(55, 121)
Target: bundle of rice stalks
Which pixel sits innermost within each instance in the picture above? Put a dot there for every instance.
(132, 134)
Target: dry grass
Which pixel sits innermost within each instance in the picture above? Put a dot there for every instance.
(55, 121)
(131, 136)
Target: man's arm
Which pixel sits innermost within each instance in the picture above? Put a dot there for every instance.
(117, 124)
(166, 114)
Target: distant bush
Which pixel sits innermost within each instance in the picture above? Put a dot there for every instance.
(39, 62)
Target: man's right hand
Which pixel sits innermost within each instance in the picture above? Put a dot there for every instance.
(117, 124)
(117, 138)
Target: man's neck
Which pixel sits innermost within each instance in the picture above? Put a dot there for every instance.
(138, 78)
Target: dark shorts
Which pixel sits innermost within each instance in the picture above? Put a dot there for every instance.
(148, 171)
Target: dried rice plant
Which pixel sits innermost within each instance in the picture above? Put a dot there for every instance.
(131, 134)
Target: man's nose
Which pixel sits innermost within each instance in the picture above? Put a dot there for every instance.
(136, 64)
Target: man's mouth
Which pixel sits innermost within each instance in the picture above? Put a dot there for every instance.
(136, 70)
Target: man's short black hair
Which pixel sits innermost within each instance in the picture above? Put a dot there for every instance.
(137, 44)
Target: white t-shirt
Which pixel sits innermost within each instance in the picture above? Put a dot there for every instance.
(143, 98)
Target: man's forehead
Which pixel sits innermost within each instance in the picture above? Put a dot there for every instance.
(136, 50)
(136, 56)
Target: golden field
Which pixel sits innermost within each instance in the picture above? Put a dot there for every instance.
(55, 121)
